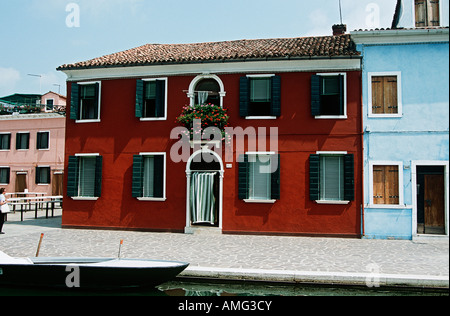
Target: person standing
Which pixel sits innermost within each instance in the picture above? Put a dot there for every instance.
(2, 202)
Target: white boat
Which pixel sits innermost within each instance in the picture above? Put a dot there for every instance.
(86, 273)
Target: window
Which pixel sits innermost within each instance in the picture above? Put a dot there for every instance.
(5, 142)
(427, 13)
(386, 181)
(49, 103)
(85, 102)
(5, 175)
(149, 176)
(385, 91)
(259, 177)
(328, 96)
(42, 175)
(22, 141)
(151, 99)
(85, 176)
(332, 177)
(42, 141)
(207, 91)
(260, 96)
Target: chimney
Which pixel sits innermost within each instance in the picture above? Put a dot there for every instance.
(339, 29)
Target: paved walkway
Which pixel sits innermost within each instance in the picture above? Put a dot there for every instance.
(323, 260)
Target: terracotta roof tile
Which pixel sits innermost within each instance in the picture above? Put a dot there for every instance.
(325, 46)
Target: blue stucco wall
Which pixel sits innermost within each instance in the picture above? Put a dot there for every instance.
(422, 133)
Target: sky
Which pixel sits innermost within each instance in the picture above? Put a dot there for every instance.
(37, 36)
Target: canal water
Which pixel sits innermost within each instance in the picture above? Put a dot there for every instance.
(204, 289)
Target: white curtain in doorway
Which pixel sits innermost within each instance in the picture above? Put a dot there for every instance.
(202, 198)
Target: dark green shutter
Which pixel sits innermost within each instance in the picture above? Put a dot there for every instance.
(276, 96)
(314, 177)
(38, 175)
(74, 101)
(8, 175)
(140, 86)
(160, 97)
(97, 105)
(98, 176)
(275, 181)
(342, 93)
(243, 177)
(316, 82)
(72, 176)
(244, 95)
(138, 176)
(349, 178)
(158, 188)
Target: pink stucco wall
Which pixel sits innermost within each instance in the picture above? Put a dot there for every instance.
(25, 161)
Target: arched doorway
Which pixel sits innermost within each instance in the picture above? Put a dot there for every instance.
(204, 193)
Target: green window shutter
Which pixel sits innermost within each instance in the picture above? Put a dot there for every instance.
(244, 95)
(275, 181)
(72, 179)
(140, 86)
(316, 82)
(74, 101)
(243, 178)
(38, 175)
(158, 189)
(349, 178)
(160, 98)
(314, 176)
(138, 176)
(98, 176)
(276, 96)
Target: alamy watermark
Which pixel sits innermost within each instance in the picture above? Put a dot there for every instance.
(73, 18)
(373, 16)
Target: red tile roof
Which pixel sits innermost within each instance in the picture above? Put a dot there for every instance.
(325, 46)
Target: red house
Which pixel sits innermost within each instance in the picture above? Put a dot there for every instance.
(299, 173)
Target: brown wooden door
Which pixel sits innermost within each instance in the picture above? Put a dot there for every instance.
(21, 182)
(57, 184)
(434, 204)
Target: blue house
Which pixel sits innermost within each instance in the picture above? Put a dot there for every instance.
(405, 81)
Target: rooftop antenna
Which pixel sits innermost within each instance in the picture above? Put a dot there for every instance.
(340, 10)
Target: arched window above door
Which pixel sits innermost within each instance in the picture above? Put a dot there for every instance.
(205, 89)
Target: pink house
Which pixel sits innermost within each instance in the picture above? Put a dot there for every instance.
(32, 152)
(52, 101)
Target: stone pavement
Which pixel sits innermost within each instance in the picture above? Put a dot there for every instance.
(264, 258)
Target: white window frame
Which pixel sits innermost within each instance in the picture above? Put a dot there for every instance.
(29, 141)
(43, 149)
(166, 87)
(260, 153)
(335, 117)
(45, 104)
(399, 94)
(6, 167)
(49, 180)
(400, 184)
(98, 120)
(268, 117)
(84, 198)
(164, 198)
(10, 141)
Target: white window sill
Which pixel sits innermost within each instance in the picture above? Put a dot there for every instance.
(145, 199)
(260, 117)
(331, 117)
(80, 198)
(88, 121)
(149, 119)
(385, 115)
(260, 201)
(388, 206)
(332, 202)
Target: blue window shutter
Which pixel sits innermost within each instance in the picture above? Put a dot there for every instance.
(98, 176)
(275, 181)
(276, 96)
(244, 94)
(72, 179)
(138, 176)
(140, 85)
(74, 101)
(160, 97)
(314, 177)
(243, 178)
(316, 82)
(349, 178)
